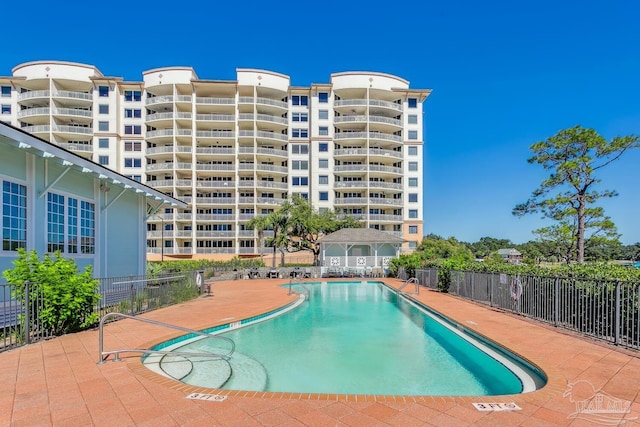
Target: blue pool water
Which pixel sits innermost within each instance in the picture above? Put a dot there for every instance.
(352, 338)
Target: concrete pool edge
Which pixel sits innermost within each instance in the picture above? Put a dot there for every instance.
(554, 386)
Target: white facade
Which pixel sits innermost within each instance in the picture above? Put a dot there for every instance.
(236, 149)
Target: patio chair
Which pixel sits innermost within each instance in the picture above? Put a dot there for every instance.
(274, 273)
(307, 273)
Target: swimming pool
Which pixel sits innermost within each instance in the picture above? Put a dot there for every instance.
(353, 338)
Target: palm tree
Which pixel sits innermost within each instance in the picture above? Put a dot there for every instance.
(260, 223)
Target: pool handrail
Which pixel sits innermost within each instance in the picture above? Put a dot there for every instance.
(409, 281)
(307, 290)
(104, 355)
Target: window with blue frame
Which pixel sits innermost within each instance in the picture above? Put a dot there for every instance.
(14, 216)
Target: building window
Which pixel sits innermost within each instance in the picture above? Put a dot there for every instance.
(135, 113)
(132, 95)
(413, 102)
(413, 229)
(323, 179)
(323, 163)
(132, 130)
(132, 146)
(80, 221)
(103, 91)
(299, 149)
(300, 117)
(413, 182)
(14, 216)
(323, 114)
(413, 166)
(413, 150)
(323, 97)
(413, 119)
(413, 197)
(323, 147)
(299, 100)
(103, 109)
(300, 133)
(135, 177)
(55, 222)
(413, 134)
(413, 213)
(103, 126)
(300, 180)
(103, 143)
(323, 195)
(132, 162)
(323, 131)
(6, 91)
(103, 160)
(6, 109)
(413, 245)
(300, 165)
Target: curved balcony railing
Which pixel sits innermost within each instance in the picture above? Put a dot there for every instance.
(270, 168)
(391, 218)
(215, 217)
(215, 200)
(215, 233)
(215, 134)
(272, 152)
(214, 167)
(75, 112)
(365, 135)
(159, 100)
(73, 129)
(205, 100)
(263, 118)
(388, 169)
(215, 184)
(73, 94)
(385, 202)
(160, 116)
(72, 146)
(350, 201)
(271, 184)
(159, 167)
(263, 134)
(214, 150)
(37, 129)
(263, 101)
(215, 117)
(246, 183)
(29, 112)
(33, 94)
(268, 201)
(351, 152)
(385, 185)
(385, 153)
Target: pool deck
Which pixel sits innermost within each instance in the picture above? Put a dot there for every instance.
(58, 382)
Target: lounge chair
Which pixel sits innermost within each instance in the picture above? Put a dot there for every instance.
(307, 273)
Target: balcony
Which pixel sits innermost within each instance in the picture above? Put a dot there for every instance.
(168, 149)
(385, 201)
(385, 169)
(215, 118)
(264, 118)
(385, 185)
(263, 101)
(264, 135)
(215, 200)
(206, 167)
(215, 151)
(246, 183)
(215, 250)
(215, 134)
(385, 218)
(82, 96)
(34, 94)
(73, 130)
(271, 184)
(219, 234)
(270, 168)
(369, 135)
(350, 201)
(155, 167)
(271, 152)
(37, 129)
(363, 102)
(214, 217)
(202, 100)
(216, 184)
(73, 112)
(32, 112)
(160, 183)
(72, 146)
(155, 100)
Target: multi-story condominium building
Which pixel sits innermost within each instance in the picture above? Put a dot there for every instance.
(236, 149)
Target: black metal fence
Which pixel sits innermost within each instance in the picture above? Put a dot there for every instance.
(608, 310)
(20, 305)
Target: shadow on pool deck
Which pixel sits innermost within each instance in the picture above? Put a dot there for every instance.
(58, 382)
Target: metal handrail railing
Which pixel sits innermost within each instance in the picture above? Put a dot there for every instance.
(307, 290)
(104, 355)
(409, 281)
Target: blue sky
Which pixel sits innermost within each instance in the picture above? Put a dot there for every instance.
(504, 74)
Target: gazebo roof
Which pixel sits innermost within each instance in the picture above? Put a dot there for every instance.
(360, 235)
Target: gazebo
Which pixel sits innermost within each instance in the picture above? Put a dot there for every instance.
(358, 251)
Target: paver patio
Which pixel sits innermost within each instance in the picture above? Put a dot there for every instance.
(58, 382)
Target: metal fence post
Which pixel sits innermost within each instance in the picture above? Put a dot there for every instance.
(133, 297)
(618, 313)
(556, 301)
(491, 290)
(27, 313)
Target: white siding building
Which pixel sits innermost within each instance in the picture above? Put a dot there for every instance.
(236, 149)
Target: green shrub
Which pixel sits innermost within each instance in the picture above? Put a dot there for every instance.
(69, 297)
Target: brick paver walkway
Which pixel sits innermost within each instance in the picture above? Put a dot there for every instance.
(58, 382)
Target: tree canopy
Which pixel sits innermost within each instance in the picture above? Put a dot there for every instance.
(569, 194)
